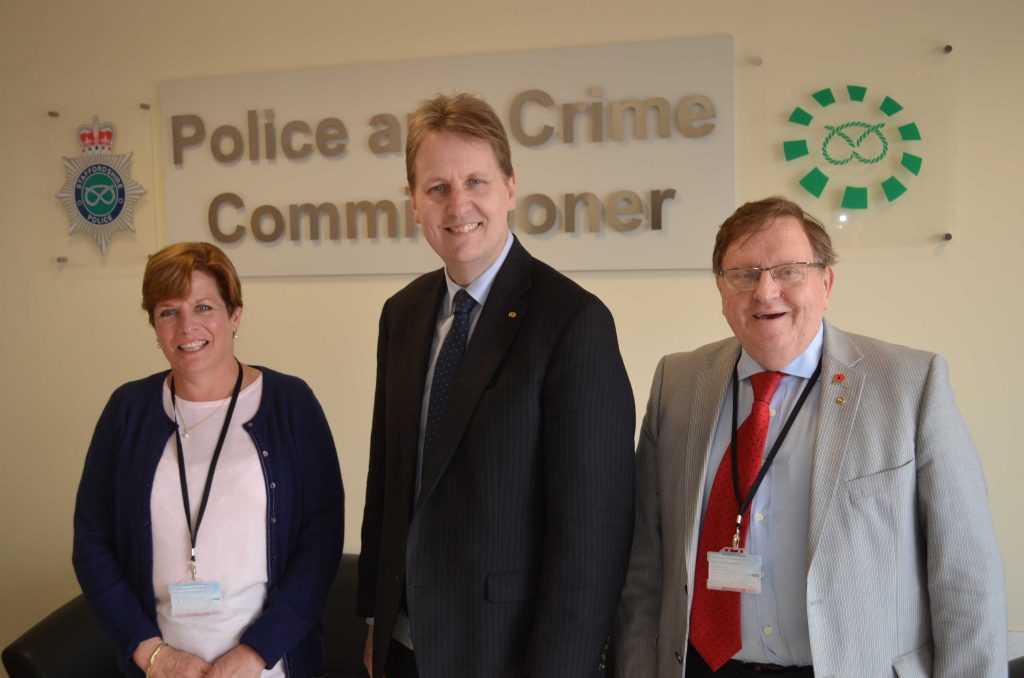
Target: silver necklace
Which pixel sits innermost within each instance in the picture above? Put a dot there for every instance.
(184, 425)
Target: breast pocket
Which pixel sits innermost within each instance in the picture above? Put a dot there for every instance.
(879, 521)
(883, 482)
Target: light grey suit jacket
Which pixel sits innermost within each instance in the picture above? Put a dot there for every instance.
(904, 576)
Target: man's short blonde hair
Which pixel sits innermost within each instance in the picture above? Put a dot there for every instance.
(466, 115)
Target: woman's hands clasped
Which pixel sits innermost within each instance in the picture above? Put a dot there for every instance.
(239, 662)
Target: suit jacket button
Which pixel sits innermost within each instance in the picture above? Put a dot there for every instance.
(679, 657)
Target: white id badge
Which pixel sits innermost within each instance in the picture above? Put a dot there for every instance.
(734, 570)
(195, 598)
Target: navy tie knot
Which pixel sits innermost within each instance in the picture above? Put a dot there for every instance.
(463, 303)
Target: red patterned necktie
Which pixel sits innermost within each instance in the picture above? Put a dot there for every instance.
(715, 617)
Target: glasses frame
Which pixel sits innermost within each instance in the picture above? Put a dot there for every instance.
(771, 272)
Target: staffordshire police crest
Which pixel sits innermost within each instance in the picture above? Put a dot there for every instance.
(99, 193)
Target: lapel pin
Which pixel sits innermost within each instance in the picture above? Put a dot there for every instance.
(838, 378)
(511, 314)
(840, 400)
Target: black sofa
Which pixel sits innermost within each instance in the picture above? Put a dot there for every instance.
(69, 643)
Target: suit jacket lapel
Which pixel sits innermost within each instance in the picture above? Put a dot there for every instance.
(499, 321)
(836, 416)
(708, 390)
(414, 331)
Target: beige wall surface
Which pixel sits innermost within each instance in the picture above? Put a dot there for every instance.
(73, 332)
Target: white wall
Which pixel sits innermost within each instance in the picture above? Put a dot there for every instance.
(72, 333)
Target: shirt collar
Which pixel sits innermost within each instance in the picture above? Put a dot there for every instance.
(803, 366)
(481, 287)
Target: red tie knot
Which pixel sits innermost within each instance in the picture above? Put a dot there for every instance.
(764, 385)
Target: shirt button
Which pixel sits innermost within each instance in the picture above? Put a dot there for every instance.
(768, 630)
(771, 411)
(265, 453)
(757, 516)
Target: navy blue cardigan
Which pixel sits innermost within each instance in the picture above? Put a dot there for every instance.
(113, 544)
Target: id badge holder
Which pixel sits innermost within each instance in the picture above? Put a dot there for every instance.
(733, 569)
(195, 598)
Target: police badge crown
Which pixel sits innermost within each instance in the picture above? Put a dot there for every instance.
(99, 193)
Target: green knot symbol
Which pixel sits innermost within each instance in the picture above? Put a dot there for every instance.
(854, 144)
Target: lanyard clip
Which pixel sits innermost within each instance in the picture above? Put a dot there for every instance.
(192, 565)
(736, 535)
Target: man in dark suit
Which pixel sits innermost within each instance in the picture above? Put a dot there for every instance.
(499, 501)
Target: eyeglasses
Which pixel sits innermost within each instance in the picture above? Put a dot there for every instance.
(786, 275)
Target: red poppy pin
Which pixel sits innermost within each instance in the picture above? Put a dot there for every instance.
(838, 378)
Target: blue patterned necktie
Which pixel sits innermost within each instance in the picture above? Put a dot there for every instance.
(444, 369)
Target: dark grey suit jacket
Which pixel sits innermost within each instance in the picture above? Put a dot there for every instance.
(514, 554)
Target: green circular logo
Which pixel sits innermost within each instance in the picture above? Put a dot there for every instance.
(99, 194)
(864, 143)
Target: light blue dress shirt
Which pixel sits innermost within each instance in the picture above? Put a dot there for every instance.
(479, 289)
(774, 622)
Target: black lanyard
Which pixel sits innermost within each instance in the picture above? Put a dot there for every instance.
(742, 503)
(194, 532)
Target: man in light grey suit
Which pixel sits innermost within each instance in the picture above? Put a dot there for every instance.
(869, 534)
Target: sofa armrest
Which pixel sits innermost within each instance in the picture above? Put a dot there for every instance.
(69, 643)
(344, 632)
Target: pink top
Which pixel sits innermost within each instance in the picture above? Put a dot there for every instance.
(232, 544)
